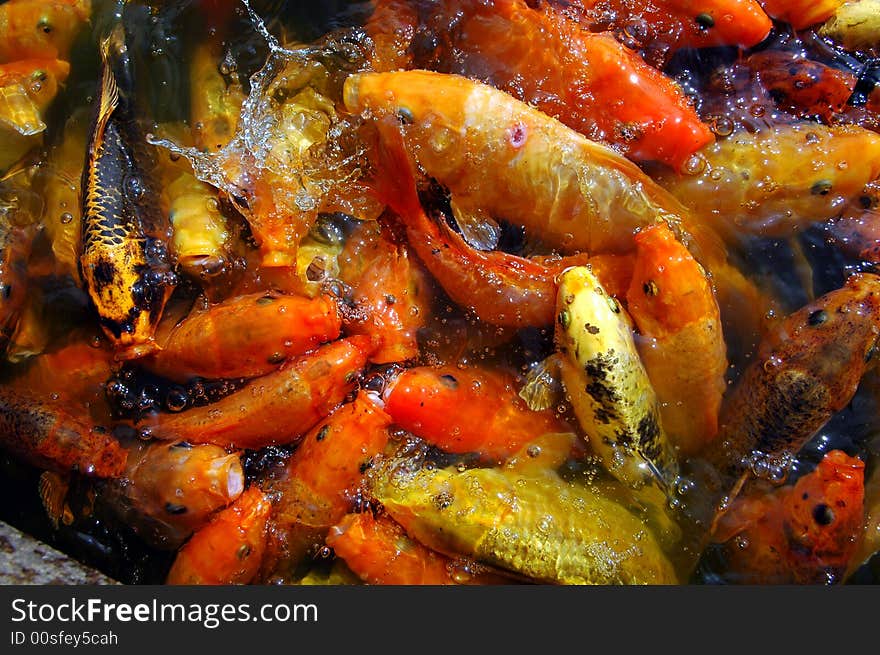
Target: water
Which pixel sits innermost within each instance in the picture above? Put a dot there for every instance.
(163, 38)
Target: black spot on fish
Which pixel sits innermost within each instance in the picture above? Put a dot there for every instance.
(322, 433)
(175, 509)
(104, 272)
(598, 370)
(649, 436)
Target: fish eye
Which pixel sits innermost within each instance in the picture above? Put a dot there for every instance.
(817, 317)
(823, 515)
(45, 25)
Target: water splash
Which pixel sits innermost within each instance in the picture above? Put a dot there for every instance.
(291, 148)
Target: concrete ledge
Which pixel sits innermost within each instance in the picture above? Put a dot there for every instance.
(24, 560)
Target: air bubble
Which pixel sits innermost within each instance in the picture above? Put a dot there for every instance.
(695, 165)
(176, 399)
(722, 126)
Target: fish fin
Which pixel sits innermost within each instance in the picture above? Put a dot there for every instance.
(543, 386)
(477, 227)
(19, 112)
(721, 510)
(395, 185)
(53, 489)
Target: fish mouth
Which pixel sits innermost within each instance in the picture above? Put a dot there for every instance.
(351, 93)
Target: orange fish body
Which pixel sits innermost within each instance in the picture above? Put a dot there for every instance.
(378, 550)
(673, 24)
(48, 436)
(588, 81)
(245, 336)
(170, 490)
(805, 87)
(471, 410)
(229, 549)
(75, 374)
(277, 408)
(40, 28)
(390, 288)
(321, 481)
(501, 289)
(674, 307)
(506, 159)
(801, 14)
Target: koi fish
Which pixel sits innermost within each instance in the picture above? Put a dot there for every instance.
(500, 288)
(27, 88)
(804, 533)
(801, 86)
(778, 180)
(124, 261)
(277, 408)
(610, 391)
(245, 336)
(681, 343)
(676, 24)
(854, 24)
(200, 236)
(15, 248)
(215, 104)
(229, 549)
(169, 490)
(389, 287)
(576, 195)
(40, 28)
(805, 370)
(46, 435)
(588, 81)
(801, 14)
(471, 410)
(378, 550)
(536, 525)
(321, 481)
